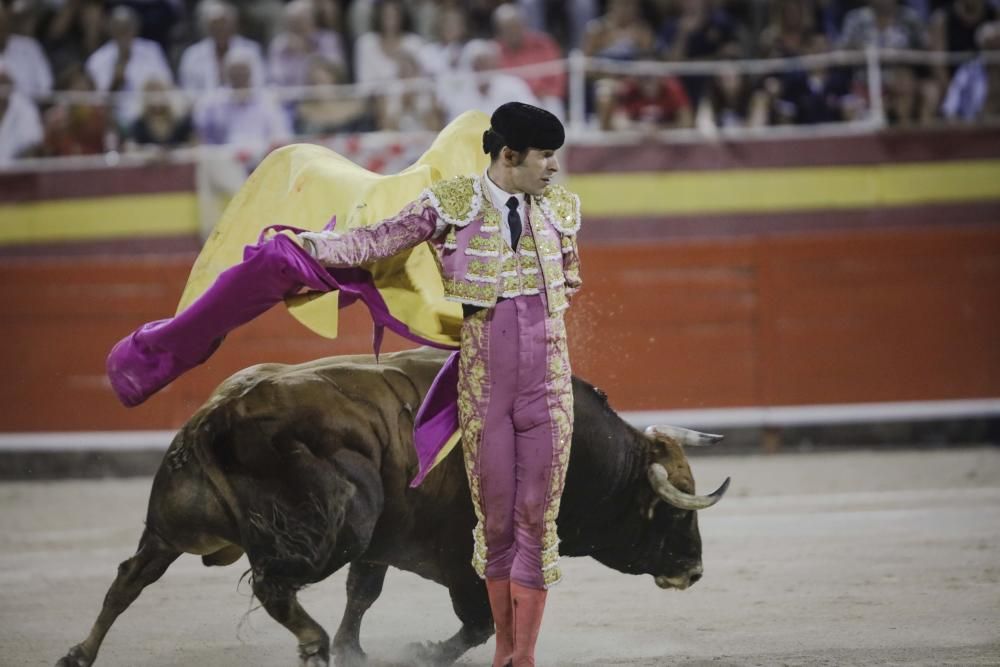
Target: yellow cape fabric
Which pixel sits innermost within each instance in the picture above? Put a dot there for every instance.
(304, 185)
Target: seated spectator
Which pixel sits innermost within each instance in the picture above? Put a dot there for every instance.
(885, 24)
(156, 19)
(25, 60)
(953, 29)
(815, 95)
(791, 28)
(974, 92)
(522, 46)
(730, 101)
(699, 32)
(241, 115)
(126, 62)
(408, 109)
(164, 121)
(290, 51)
(620, 34)
(643, 103)
(566, 21)
(77, 128)
(201, 64)
(20, 125)
(482, 87)
(329, 113)
(443, 55)
(73, 32)
(911, 93)
(376, 53)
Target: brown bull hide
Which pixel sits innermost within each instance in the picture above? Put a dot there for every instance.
(306, 469)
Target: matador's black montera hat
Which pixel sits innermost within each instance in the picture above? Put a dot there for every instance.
(521, 126)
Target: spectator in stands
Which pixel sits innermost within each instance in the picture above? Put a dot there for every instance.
(126, 63)
(25, 60)
(73, 32)
(566, 21)
(156, 19)
(20, 125)
(376, 53)
(621, 34)
(77, 128)
(404, 108)
(974, 93)
(953, 27)
(813, 95)
(201, 67)
(442, 55)
(241, 115)
(164, 122)
(789, 32)
(731, 101)
(911, 93)
(645, 103)
(328, 112)
(883, 23)
(482, 87)
(291, 51)
(519, 46)
(700, 31)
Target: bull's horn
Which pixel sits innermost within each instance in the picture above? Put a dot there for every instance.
(669, 493)
(684, 436)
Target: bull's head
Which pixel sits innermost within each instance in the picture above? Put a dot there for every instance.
(671, 511)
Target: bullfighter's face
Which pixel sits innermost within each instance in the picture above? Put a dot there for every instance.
(535, 171)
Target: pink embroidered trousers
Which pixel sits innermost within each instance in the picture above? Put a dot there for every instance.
(516, 411)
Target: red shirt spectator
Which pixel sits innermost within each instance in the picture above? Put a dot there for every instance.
(520, 45)
(655, 102)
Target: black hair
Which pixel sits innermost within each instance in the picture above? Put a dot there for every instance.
(405, 20)
(493, 142)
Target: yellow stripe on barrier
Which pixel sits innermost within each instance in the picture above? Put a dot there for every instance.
(796, 189)
(99, 218)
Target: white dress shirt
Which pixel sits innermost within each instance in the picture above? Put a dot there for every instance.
(27, 66)
(20, 128)
(499, 197)
(200, 67)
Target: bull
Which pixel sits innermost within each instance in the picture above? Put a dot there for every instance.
(305, 469)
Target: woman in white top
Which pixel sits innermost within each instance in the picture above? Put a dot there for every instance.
(376, 53)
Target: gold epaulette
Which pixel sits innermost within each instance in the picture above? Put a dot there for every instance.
(562, 208)
(457, 200)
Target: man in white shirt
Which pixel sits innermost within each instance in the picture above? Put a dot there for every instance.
(126, 62)
(482, 88)
(202, 63)
(25, 60)
(20, 124)
(242, 116)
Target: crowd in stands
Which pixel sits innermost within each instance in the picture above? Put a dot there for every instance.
(229, 63)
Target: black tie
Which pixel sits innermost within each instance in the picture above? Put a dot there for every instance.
(514, 222)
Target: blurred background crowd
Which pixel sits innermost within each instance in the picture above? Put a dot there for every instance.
(82, 77)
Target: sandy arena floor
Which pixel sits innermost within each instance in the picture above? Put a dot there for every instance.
(823, 559)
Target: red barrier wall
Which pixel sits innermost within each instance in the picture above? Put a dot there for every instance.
(897, 314)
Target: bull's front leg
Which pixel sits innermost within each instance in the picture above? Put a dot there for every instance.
(364, 585)
(472, 606)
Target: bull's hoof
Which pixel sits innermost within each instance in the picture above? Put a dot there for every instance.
(75, 658)
(429, 654)
(315, 654)
(349, 655)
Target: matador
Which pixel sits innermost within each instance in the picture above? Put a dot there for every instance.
(505, 245)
